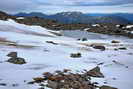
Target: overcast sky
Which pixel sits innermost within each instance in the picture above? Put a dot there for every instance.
(54, 6)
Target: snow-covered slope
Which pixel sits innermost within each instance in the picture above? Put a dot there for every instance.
(30, 42)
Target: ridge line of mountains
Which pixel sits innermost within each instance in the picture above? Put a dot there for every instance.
(110, 26)
(79, 17)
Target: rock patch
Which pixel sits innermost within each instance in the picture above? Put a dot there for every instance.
(3, 84)
(102, 48)
(114, 41)
(75, 55)
(95, 72)
(14, 59)
(67, 80)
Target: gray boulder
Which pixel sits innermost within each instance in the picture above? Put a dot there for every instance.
(95, 72)
(14, 59)
(12, 54)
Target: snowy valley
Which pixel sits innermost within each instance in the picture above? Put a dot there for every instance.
(45, 51)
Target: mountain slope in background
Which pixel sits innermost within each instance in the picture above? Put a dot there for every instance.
(78, 17)
(128, 16)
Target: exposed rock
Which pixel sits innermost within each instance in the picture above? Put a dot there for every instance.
(14, 59)
(3, 84)
(38, 79)
(114, 41)
(102, 48)
(66, 80)
(52, 84)
(51, 42)
(107, 87)
(47, 75)
(17, 60)
(41, 88)
(66, 70)
(75, 55)
(95, 72)
(12, 54)
(122, 48)
(84, 39)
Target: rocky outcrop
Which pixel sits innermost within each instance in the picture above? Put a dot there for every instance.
(67, 80)
(14, 59)
(5, 16)
(95, 72)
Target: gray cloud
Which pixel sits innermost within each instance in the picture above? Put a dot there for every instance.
(52, 6)
(16, 5)
(106, 3)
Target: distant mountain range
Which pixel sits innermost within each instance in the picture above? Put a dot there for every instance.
(113, 25)
(78, 17)
(128, 16)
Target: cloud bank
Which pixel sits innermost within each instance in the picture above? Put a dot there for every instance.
(54, 6)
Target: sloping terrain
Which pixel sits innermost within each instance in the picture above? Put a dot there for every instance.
(44, 51)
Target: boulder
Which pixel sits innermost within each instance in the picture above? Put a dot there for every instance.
(12, 54)
(114, 41)
(84, 39)
(75, 55)
(3, 84)
(102, 48)
(16, 60)
(38, 79)
(122, 48)
(95, 72)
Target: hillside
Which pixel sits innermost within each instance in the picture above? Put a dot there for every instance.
(45, 52)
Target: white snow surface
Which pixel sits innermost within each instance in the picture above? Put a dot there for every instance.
(46, 57)
(129, 26)
(20, 18)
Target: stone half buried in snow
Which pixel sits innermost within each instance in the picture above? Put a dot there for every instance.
(95, 72)
(75, 55)
(12, 54)
(14, 59)
(17, 60)
(115, 41)
(102, 48)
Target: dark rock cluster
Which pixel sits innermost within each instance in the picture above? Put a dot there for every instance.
(75, 55)
(14, 59)
(67, 80)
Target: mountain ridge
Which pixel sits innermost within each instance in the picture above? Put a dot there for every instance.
(79, 17)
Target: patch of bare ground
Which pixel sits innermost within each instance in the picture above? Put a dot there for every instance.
(67, 80)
